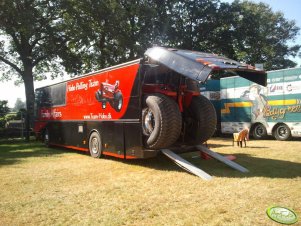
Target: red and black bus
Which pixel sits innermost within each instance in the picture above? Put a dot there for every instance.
(134, 109)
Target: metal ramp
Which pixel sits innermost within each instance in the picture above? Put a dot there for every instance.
(197, 171)
(186, 165)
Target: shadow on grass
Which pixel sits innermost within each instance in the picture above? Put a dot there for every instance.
(258, 167)
(211, 146)
(14, 151)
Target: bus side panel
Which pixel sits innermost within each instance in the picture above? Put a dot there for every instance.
(89, 105)
(235, 112)
(133, 140)
(111, 134)
(284, 100)
(67, 134)
(244, 103)
(211, 90)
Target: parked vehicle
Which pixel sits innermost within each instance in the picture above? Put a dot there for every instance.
(154, 103)
(273, 110)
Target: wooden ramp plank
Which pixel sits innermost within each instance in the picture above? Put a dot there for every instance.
(186, 165)
(221, 158)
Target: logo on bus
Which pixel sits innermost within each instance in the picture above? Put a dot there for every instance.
(275, 88)
(110, 93)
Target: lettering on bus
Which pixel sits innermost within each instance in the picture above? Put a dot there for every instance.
(279, 113)
(47, 114)
(83, 85)
(92, 116)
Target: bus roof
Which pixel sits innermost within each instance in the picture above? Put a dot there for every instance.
(96, 72)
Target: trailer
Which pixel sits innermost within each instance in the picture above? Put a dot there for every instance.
(135, 109)
(273, 110)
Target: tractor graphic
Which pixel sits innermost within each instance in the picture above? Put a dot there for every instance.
(110, 93)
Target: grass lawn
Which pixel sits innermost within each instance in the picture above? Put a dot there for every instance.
(43, 186)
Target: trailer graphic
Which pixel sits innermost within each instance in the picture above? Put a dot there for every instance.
(110, 93)
(273, 110)
(134, 109)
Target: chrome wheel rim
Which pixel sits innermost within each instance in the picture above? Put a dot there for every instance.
(148, 122)
(95, 145)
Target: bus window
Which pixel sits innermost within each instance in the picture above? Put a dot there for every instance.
(51, 96)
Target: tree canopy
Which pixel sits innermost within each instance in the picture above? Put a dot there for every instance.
(110, 31)
(34, 40)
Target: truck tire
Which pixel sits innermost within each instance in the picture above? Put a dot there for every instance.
(282, 132)
(259, 131)
(95, 146)
(200, 120)
(118, 101)
(161, 121)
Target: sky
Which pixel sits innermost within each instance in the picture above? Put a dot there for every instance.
(290, 9)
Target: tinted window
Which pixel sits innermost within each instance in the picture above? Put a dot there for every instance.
(51, 96)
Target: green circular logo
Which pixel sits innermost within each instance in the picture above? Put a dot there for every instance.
(282, 215)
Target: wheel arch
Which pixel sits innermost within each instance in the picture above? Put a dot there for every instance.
(92, 131)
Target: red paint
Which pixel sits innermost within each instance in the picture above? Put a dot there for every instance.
(118, 155)
(159, 88)
(72, 147)
(81, 103)
(188, 97)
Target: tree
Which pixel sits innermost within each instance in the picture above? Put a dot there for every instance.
(33, 41)
(110, 31)
(19, 105)
(4, 109)
(260, 35)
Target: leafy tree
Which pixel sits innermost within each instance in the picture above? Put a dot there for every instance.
(110, 31)
(4, 109)
(21, 114)
(262, 36)
(10, 116)
(33, 41)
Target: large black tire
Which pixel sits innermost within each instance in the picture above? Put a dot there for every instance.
(200, 120)
(95, 146)
(259, 131)
(282, 132)
(118, 101)
(161, 121)
(98, 95)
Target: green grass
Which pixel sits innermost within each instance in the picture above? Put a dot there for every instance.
(42, 186)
